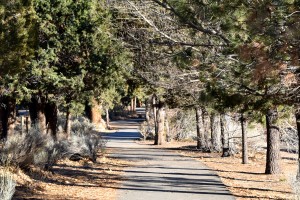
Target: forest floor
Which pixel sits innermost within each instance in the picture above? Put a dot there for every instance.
(73, 180)
(245, 181)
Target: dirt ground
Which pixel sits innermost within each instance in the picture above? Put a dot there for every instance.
(72, 180)
(245, 181)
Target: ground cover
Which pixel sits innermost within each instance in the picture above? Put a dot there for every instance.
(73, 180)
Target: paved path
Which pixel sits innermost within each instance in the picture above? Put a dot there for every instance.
(161, 174)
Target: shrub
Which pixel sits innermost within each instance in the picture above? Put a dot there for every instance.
(147, 130)
(84, 140)
(20, 149)
(32, 148)
(182, 124)
(40, 150)
(295, 184)
(7, 185)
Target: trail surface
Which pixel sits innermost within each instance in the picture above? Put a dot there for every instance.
(161, 174)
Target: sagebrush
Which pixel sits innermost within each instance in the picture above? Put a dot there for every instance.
(7, 185)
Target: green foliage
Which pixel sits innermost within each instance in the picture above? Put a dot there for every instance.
(78, 55)
(17, 35)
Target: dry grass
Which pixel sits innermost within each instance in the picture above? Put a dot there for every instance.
(72, 180)
(244, 181)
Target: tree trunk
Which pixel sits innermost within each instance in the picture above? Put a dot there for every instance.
(297, 115)
(51, 118)
(273, 143)
(213, 131)
(168, 134)
(67, 127)
(224, 137)
(8, 116)
(154, 104)
(161, 138)
(93, 112)
(206, 130)
(131, 105)
(107, 118)
(37, 113)
(199, 126)
(1, 115)
(244, 139)
(147, 116)
(134, 104)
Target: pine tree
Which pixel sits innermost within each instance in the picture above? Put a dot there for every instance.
(17, 39)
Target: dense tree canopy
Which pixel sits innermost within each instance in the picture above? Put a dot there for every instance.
(214, 57)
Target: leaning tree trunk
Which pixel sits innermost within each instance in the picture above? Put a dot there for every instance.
(297, 115)
(224, 137)
(51, 118)
(273, 143)
(199, 127)
(8, 116)
(206, 129)
(37, 113)
(244, 139)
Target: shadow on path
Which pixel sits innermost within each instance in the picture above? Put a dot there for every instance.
(161, 174)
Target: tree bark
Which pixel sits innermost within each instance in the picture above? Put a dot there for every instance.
(67, 127)
(224, 137)
(134, 104)
(206, 130)
(273, 143)
(93, 112)
(147, 116)
(199, 127)
(244, 139)
(154, 104)
(8, 116)
(37, 113)
(161, 136)
(213, 131)
(51, 118)
(1, 115)
(297, 115)
(107, 118)
(167, 127)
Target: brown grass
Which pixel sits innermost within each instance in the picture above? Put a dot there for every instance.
(72, 180)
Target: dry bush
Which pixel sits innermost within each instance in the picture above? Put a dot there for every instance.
(20, 149)
(182, 124)
(147, 130)
(295, 184)
(85, 145)
(40, 150)
(32, 148)
(84, 141)
(289, 136)
(7, 185)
